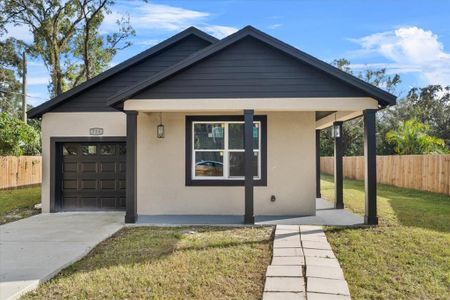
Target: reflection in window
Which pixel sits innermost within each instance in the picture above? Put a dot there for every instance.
(122, 149)
(88, 150)
(237, 164)
(209, 136)
(209, 163)
(70, 149)
(218, 150)
(107, 149)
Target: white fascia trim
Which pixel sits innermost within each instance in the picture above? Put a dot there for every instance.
(259, 104)
(337, 116)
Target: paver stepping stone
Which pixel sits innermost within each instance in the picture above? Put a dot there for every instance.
(306, 228)
(286, 244)
(319, 253)
(328, 286)
(324, 272)
(283, 296)
(287, 252)
(320, 261)
(284, 284)
(288, 261)
(288, 227)
(313, 238)
(317, 296)
(316, 245)
(284, 271)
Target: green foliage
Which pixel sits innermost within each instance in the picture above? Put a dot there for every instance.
(66, 36)
(18, 138)
(412, 137)
(10, 69)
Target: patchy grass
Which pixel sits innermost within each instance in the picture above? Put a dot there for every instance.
(168, 263)
(18, 204)
(407, 256)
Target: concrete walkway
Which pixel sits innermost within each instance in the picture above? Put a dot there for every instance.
(326, 214)
(304, 266)
(35, 249)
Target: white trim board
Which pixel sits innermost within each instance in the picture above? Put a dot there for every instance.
(258, 104)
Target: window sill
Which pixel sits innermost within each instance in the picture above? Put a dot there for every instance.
(222, 182)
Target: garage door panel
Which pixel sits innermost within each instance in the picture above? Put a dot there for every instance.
(71, 202)
(70, 184)
(108, 202)
(87, 184)
(70, 167)
(93, 176)
(107, 167)
(107, 185)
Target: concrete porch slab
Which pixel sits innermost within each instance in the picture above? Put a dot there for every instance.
(35, 249)
(325, 215)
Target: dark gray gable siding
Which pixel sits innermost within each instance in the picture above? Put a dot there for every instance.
(252, 69)
(94, 98)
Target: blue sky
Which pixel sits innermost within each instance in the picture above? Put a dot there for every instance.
(411, 38)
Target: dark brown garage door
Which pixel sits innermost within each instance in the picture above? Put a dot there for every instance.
(93, 176)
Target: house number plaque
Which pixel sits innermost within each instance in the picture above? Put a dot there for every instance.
(96, 131)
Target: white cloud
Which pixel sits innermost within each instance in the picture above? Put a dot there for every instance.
(219, 31)
(155, 16)
(275, 26)
(410, 49)
(147, 16)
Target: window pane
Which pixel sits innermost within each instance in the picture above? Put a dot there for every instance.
(237, 164)
(107, 149)
(122, 150)
(236, 136)
(209, 136)
(88, 150)
(70, 149)
(209, 163)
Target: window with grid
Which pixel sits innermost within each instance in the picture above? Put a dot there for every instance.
(218, 150)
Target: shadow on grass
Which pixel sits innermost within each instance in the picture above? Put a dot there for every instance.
(140, 245)
(399, 206)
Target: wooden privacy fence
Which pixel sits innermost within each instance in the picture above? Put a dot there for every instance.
(421, 172)
(20, 171)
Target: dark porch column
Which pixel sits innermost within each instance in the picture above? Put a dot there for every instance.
(338, 166)
(370, 167)
(249, 217)
(131, 201)
(318, 194)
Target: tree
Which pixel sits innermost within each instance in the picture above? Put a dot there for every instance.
(412, 137)
(10, 70)
(352, 131)
(94, 51)
(17, 137)
(59, 29)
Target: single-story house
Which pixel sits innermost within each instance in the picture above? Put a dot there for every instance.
(201, 126)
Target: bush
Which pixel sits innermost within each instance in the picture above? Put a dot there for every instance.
(18, 138)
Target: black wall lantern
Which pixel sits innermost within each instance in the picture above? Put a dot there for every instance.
(336, 131)
(160, 128)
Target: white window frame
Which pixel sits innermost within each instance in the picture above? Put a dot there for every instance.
(226, 152)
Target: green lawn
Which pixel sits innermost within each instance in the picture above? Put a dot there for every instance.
(168, 263)
(18, 204)
(407, 256)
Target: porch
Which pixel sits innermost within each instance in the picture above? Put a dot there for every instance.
(326, 215)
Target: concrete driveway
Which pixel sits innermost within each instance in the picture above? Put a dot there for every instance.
(35, 249)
